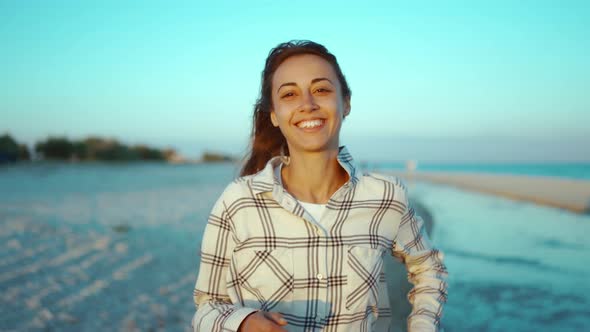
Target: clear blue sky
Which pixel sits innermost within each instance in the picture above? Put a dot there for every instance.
(432, 80)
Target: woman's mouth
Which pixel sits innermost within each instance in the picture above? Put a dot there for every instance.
(311, 125)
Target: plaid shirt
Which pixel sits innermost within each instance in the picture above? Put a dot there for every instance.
(262, 251)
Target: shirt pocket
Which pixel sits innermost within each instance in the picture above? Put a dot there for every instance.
(264, 278)
(362, 280)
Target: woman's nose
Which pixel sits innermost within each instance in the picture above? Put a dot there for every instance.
(308, 102)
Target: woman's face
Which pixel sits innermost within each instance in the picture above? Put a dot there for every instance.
(308, 105)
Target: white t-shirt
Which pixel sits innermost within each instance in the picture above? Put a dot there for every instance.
(316, 210)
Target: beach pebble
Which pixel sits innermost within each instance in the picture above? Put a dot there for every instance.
(65, 317)
(102, 243)
(119, 275)
(32, 303)
(45, 314)
(13, 244)
(130, 325)
(11, 294)
(121, 248)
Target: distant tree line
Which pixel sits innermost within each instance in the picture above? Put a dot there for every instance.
(89, 149)
(212, 157)
(11, 150)
(93, 148)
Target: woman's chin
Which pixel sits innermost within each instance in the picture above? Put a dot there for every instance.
(315, 147)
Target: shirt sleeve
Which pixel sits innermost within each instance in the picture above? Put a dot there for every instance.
(426, 271)
(215, 311)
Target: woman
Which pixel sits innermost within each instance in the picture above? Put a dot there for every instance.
(296, 243)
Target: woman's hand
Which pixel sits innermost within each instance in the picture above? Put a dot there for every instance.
(263, 321)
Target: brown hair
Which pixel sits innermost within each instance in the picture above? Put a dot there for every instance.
(267, 139)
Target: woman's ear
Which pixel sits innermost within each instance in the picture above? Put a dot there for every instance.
(346, 107)
(273, 119)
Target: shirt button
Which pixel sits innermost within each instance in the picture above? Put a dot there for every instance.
(320, 276)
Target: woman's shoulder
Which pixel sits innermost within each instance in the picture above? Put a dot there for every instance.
(241, 186)
(380, 184)
(381, 177)
(238, 185)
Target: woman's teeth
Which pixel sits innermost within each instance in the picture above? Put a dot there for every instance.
(310, 123)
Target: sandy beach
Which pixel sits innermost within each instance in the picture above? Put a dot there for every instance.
(569, 194)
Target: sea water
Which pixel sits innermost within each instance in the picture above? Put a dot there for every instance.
(86, 247)
(514, 266)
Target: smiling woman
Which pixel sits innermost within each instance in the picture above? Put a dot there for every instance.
(308, 111)
(268, 140)
(297, 242)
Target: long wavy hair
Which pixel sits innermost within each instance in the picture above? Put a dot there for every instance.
(266, 139)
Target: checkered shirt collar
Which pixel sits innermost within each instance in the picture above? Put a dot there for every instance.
(265, 180)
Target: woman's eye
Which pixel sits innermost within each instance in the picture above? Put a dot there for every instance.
(322, 90)
(287, 95)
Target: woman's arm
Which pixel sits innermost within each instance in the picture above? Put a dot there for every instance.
(215, 311)
(426, 271)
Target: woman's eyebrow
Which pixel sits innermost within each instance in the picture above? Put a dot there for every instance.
(315, 80)
(286, 84)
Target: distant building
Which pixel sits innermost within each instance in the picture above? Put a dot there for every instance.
(174, 157)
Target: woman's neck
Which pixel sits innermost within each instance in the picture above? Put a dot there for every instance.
(314, 177)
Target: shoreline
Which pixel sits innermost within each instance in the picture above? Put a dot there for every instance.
(568, 194)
